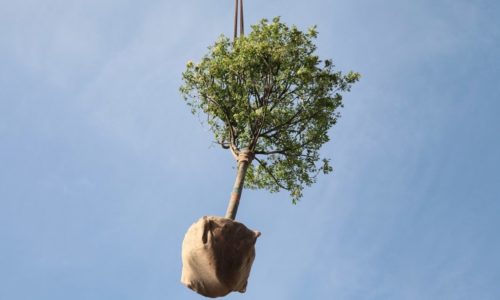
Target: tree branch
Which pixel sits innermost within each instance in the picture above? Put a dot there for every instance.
(287, 151)
(232, 134)
(271, 174)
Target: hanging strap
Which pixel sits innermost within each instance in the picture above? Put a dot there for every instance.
(238, 3)
(242, 27)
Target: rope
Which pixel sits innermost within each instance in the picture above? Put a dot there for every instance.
(245, 155)
(236, 19)
(238, 4)
(242, 27)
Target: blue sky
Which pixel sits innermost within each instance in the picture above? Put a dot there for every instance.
(103, 168)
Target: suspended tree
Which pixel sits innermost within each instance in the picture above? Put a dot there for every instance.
(270, 100)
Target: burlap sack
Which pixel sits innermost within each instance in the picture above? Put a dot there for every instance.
(217, 255)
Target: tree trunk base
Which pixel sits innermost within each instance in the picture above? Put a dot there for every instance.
(217, 256)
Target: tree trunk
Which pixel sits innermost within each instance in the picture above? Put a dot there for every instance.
(244, 160)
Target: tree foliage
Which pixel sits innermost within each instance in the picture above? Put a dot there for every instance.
(270, 93)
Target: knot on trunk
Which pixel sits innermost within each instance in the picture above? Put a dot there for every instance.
(245, 156)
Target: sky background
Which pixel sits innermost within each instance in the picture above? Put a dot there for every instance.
(103, 168)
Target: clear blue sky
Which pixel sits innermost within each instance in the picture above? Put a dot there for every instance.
(103, 168)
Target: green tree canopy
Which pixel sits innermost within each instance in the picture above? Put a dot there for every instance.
(270, 94)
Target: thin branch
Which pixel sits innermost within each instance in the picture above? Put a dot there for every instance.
(271, 174)
(287, 122)
(287, 151)
(232, 134)
(223, 144)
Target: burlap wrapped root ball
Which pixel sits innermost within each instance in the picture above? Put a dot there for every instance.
(217, 256)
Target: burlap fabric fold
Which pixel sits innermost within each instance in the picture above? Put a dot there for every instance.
(217, 255)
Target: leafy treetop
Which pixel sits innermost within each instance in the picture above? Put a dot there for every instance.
(269, 93)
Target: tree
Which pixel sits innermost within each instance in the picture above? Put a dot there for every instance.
(270, 100)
